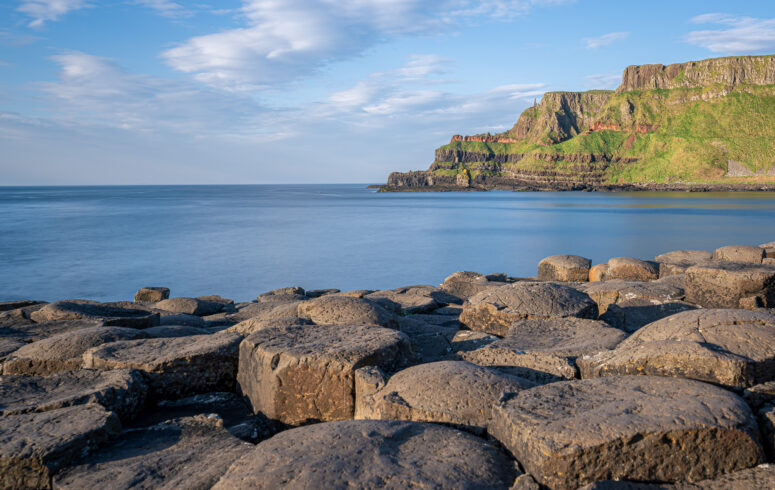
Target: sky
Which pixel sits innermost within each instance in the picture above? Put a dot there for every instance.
(126, 92)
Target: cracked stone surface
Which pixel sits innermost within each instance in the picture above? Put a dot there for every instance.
(329, 310)
(642, 428)
(733, 348)
(372, 454)
(299, 374)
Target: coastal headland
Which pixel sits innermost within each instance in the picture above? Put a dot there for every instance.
(696, 126)
(634, 373)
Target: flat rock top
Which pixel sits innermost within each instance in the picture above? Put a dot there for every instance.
(595, 411)
(164, 350)
(167, 331)
(457, 387)
(736, 268)
(747, 333)
(739, 253)
(22, 394)
(82, 309)
(371, 454)
(684, 257)
(566, 261)
(560, 336)
(73, 344)
(627, 290)
(39, 331)
(628, 261)
(346, 310)
(347, 344)
(537, 299)
(191, 452)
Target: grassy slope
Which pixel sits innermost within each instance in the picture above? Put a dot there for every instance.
(693, 143)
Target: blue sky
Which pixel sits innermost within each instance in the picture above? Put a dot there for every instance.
(280, 91)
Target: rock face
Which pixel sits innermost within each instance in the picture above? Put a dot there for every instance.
(191, 452)
(565, 268)
(451, 392)
(548, 346)
(120, 391)
(762, 476)
(677, 262)
(89, 310)
(190, 306)
(174, 367)
(299, 374)
(346, 311)
(754, 70)
(617, 291)
(34, 446)
(632, 314)
(494, 311)
(644, 428)
(632, 269)
(64, 351)
(371, 454)
(733, 348)
(726, 284)
(739, 253)
(151, 294)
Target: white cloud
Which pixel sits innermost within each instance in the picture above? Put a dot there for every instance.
(286, 39)
(604, 40)
(738, 35)
(603, 80)
(42, 11)
(167, 8)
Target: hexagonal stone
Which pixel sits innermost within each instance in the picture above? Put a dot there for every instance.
(304, 373)
(598, 272)
(122, 391)
(253, 325)
(641, 428)
(465, 284)
(342, 310)
(734, 348)
(90, 310)
(429, 342)
(724, 284)
(451, 392)
(264, 311)
(565, 268)
(616, 291)
(372, 454)
(189, 306)
(739, 253)
(631, 269)
(468, 340)
(189, 452)
(547, 346)
(33, 332)
(494, 311)
(415, 299)
(152, 294)
(175, 366)
(632, 314)
(34, 446)
(64, 352)
(677, 262)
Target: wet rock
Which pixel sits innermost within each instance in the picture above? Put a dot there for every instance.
(632, 269)
(166, 331)
(253, 325)
(174, 367)
(677, 262)
(120, 391)
(494, 311)
(616, 291)
(450, 392)
(189, 306)
(64, 351)
(642, 428)
(34, 446)
(305, 373)
(733, 348)
(191, 452)
(152, 294)
(372, 454)
(331, 310)
(90, 310)
(724, 284)
(547, 346)
(632, 314)
(598, 272)
(739, 253)
(564, 268)
(429, 342)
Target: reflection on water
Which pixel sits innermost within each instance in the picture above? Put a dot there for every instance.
(105, 242)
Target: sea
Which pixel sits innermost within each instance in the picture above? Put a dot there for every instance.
(104, 243)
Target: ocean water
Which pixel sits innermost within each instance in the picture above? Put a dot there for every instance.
(104, 243)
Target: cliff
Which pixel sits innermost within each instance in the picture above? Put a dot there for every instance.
(709, 122)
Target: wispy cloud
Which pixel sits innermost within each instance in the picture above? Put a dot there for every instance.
(738, 35)
(167, 8)
(42, 11)
(603, 80)
(289, 39)
(604, 40)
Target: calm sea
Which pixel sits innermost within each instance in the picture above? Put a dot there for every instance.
(104, 243)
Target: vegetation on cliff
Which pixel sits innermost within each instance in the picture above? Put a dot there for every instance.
(707, 121)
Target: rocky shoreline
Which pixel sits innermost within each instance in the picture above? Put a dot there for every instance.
(629, 374)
